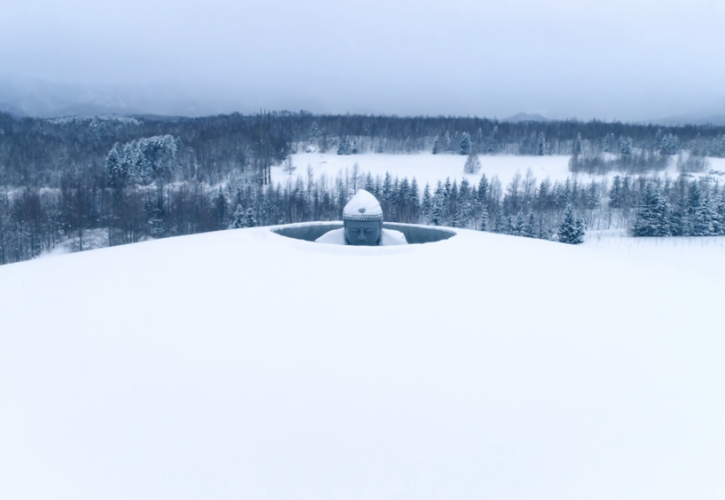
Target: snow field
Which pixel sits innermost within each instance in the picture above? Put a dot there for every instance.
(242, 364)
(429, 168)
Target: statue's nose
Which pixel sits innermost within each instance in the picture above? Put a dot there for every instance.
(361, 236)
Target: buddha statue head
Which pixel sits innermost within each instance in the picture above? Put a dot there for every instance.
(362, 218)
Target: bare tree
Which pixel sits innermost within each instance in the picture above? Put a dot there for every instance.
(472, 165)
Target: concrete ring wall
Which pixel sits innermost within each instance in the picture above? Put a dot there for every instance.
(413, 234)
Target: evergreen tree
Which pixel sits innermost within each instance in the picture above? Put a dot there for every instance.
(465, 144)
(653, 215)
(249, 220)
(436, 213)
(387, 193)
(498, 226)
(519, 225)
(345, 147)
(541, 149)
(578, 145)
(699, 212)
(239, 217)
(571, 230)
(369, 185)
(483, 189)
(493, 141)
(483, 226)
(529, 229)
(625, 146)
(427, 203)
(116, 170)
(719, 216)
(414, 201)
(220, 210)
(435, 147)
(465, 204)
(592, 197)
(626, 192)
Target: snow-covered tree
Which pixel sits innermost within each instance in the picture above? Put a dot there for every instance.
(239, 217)
(625, 146)
(288, 167)
(427, 203)
(578, 145)
(700, 211)
(493, 141)
(345, 147)
(483, 226)
(249, 220)
(652, 215)
(472, 165)
(571, 230)
(436, 212)
(541, 148)
(143, 160)
(529, 229)
(465, 144)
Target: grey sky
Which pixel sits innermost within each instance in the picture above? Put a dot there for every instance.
(631, 60)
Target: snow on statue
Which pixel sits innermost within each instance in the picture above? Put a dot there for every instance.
(363, 225)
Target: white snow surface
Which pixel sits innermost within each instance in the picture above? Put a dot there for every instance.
(243, 364)
(429, 168)
(362, 203)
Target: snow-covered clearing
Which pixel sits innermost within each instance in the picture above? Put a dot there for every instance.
(429, 168)
(242, 364)
(705, 253)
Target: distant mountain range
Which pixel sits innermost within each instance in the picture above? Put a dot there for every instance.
(526, 117)
(27, 97)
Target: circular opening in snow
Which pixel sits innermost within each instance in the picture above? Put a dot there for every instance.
(413, 234)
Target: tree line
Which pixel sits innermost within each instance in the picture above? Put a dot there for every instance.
(34, 220)
(38, 152)
(127, 179)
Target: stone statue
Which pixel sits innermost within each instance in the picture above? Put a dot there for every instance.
(363, 225)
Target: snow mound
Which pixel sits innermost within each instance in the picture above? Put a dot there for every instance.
(362, 205)
(244, 364)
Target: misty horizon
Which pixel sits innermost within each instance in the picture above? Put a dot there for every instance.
(628, 62)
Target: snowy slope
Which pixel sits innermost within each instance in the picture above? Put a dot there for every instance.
(237, 365)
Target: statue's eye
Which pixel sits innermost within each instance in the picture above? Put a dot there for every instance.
(368, 230)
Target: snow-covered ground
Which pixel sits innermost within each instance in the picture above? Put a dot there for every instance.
(242, 364)
(429, 168)
(704, 253)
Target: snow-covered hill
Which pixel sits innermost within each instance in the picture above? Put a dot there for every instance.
(242, 364)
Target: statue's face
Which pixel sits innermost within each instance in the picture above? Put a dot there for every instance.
(363, 232)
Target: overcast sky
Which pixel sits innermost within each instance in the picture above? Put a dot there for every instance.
(615, 59)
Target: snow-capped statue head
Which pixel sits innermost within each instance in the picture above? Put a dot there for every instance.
(363, 220)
